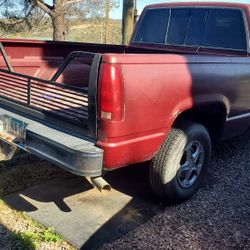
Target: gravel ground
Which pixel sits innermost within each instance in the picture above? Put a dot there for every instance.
(217, 217)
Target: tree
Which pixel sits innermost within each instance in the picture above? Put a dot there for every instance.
(21, 10)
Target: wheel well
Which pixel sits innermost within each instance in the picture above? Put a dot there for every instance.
(212, 116)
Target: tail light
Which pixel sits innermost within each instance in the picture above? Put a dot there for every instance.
(111, 92)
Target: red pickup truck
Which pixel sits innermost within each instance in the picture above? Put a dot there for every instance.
(182, 83)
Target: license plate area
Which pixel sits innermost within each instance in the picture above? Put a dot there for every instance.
(14, 127)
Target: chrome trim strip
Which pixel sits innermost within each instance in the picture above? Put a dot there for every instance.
(238, 117)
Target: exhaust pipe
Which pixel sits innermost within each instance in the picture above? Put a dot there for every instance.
(99, 183)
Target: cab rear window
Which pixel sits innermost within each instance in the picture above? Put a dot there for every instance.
(207, 27)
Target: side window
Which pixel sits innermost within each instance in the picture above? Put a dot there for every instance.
(196, 26)
(225, 29)
(153, 27)
(177, 26)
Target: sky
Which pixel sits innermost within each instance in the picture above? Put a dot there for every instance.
(141, 3)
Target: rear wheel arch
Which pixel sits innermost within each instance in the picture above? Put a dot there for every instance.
(212, 116)
(198, 126)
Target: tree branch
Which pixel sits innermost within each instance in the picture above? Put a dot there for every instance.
(73, 1)
(44, 6)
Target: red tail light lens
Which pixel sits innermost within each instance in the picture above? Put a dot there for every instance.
(110, 92)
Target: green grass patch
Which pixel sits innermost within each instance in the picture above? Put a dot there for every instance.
(32, 239)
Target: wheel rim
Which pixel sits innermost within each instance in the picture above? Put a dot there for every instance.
(191, 164)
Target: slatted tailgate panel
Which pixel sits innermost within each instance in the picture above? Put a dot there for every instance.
(68, 102)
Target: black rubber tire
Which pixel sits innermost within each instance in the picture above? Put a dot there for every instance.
(166, 163)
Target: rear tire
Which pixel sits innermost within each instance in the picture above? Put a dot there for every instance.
(178, 169)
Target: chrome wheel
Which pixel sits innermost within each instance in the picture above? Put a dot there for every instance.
(191, 164)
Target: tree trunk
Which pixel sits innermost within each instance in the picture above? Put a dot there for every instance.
(58, 20)
(58, 23)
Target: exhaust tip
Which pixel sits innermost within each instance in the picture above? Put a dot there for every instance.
(99, 183)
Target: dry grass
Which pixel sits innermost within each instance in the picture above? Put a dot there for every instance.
(90, 32)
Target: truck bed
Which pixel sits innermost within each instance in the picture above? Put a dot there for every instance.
(56, 82)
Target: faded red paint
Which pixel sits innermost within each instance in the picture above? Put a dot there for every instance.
(149, 110)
